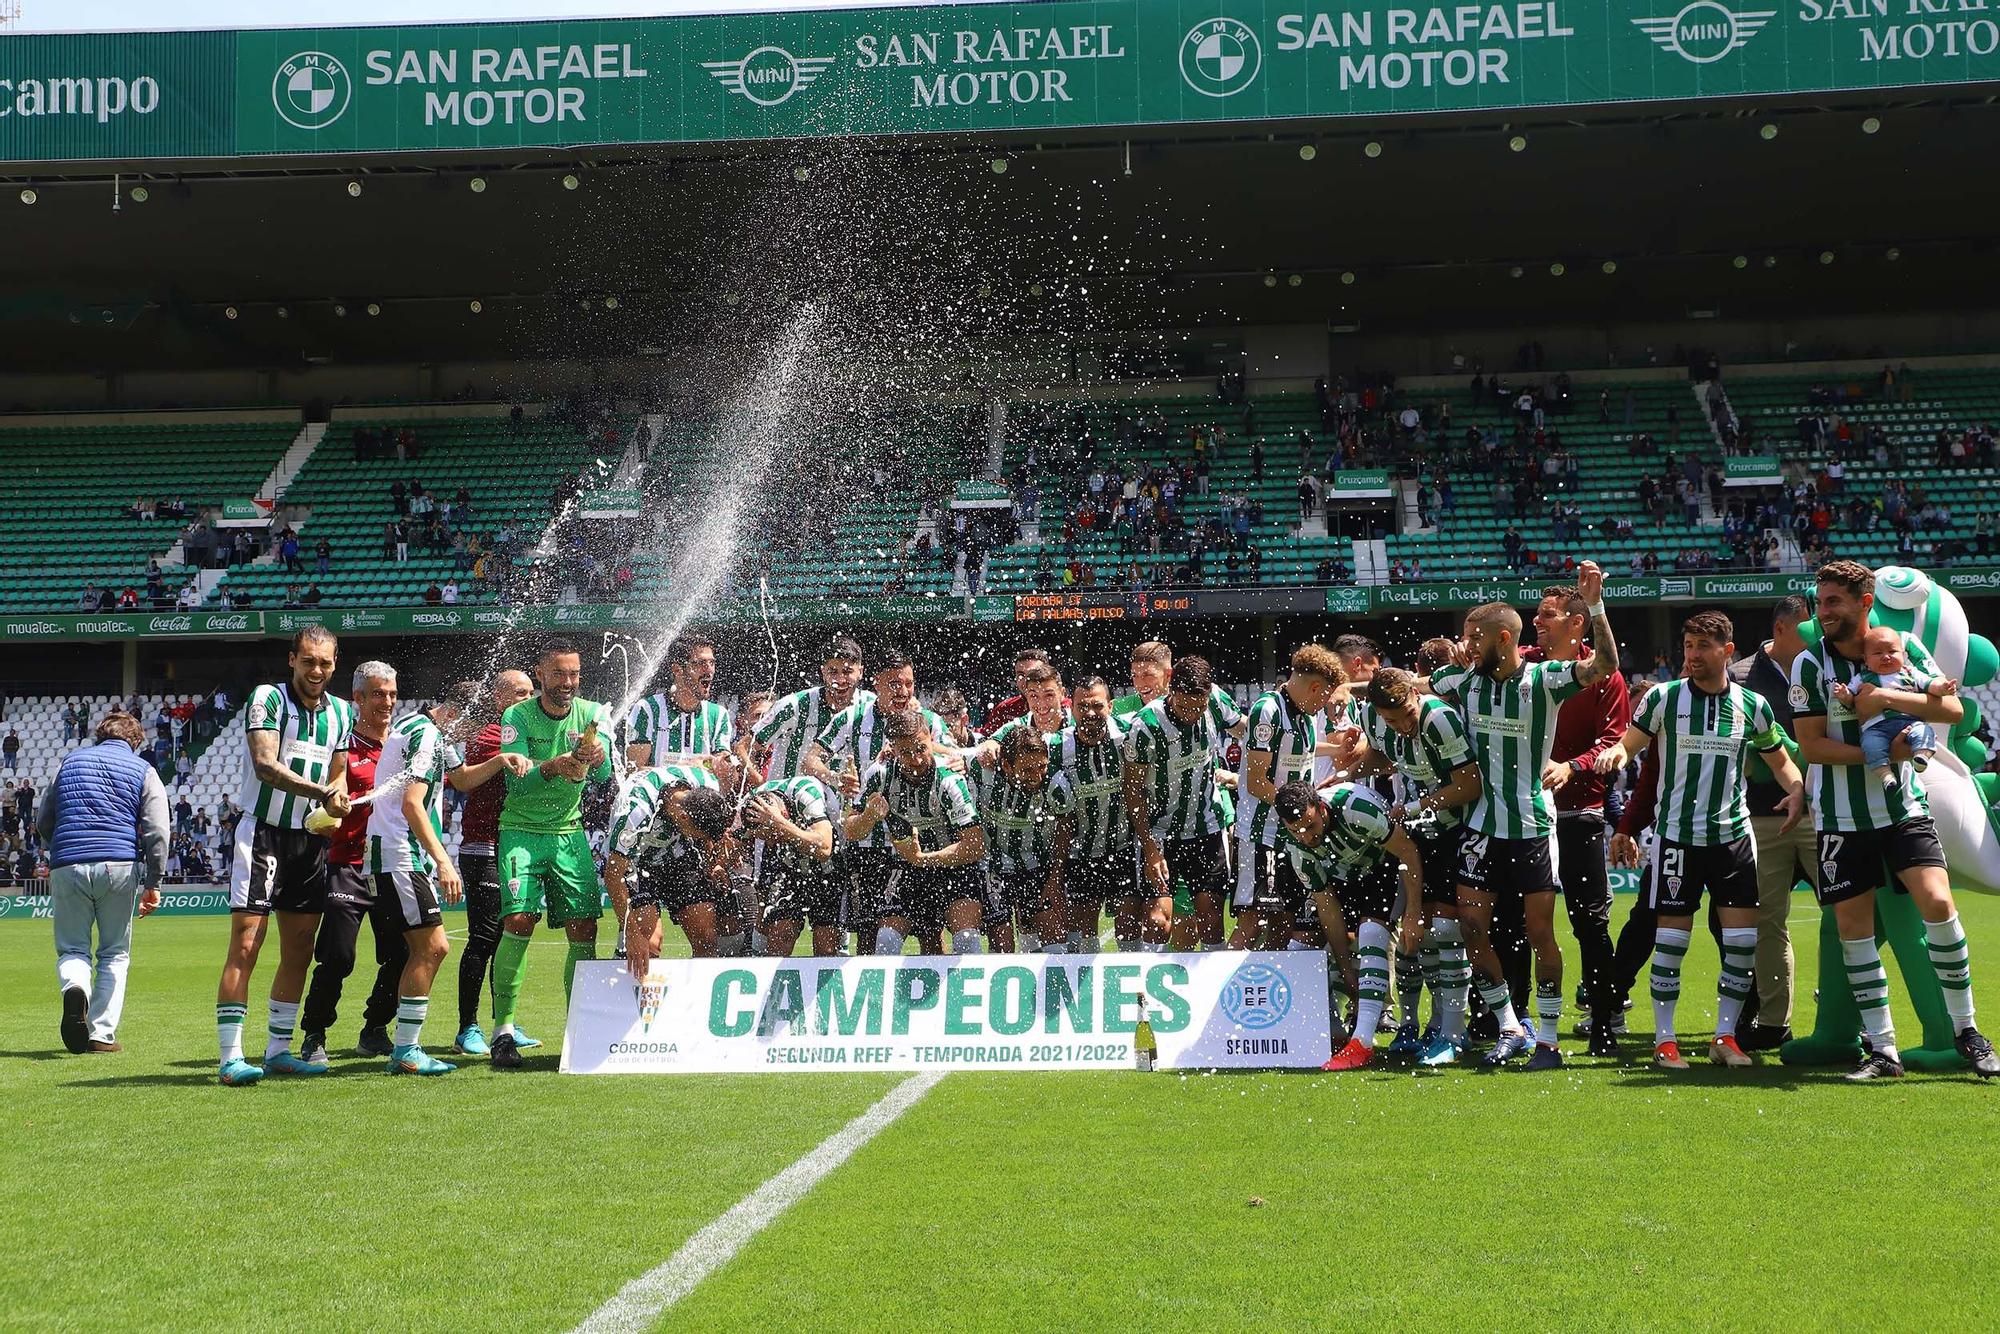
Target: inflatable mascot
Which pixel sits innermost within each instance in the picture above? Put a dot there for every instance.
(1964, 803)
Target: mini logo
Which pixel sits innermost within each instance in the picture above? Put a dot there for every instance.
(311, 90)
(159, 623)
(1220, 57)
(1256, 997)
(650, 994)
(1705, 31)
(768, 75)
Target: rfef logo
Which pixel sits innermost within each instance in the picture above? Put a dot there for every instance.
(1705, 31)
(311, 90)
(769, 75)
(1256, 996)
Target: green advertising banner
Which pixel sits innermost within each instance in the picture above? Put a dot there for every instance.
(1361, 484)
(807, 74)
(1753, 470)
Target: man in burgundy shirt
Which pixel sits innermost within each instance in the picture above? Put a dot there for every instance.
(478, 828)
(350, 891)
(1016, 705)
(1588, 722)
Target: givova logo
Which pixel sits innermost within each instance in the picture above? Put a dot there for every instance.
(311, 90)
(1705, 31)
(769, 75)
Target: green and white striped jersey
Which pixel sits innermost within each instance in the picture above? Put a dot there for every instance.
(1096, 791)
(1181, 798)
(1845, 796)
(308, 742)
(936, 805)
(1425, 758)
(1020, 823)
(1704, 742)
(414, 747)
(635, 810)
(794, 723)
(1356, 837)
(658, 722)
(853, 740)
(805, 802)
(1290, 736)
(1027, 720)
(1512, 725)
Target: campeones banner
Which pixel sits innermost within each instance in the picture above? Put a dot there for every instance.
(1257, 1010)
(942, 68)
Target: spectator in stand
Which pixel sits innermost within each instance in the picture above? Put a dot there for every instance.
(190, 596)
(104, 823)
(10, 749)
(448, 593)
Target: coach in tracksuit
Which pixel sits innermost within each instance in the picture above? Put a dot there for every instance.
(104, 821)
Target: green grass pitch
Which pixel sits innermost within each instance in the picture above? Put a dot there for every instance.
(137, 1194)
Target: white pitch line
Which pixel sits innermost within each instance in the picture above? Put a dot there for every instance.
(642, 1301)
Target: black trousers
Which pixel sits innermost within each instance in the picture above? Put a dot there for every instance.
(1586, 891)
(334, 950)
(482, 932)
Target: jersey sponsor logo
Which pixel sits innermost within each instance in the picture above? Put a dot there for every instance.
(258, 715)
(1703, 743)
(1260, 739)
(509, 735)
(1515, 728)
(1800, 701)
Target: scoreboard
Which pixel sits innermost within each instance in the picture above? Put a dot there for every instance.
(1107, 605)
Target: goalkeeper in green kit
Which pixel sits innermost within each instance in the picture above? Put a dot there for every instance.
(544, 855)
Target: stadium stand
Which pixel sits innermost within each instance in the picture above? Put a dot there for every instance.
(74, 488)
(509, 470)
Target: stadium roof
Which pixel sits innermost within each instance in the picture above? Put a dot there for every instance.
(1252, 178)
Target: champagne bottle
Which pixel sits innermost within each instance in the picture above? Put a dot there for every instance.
(585, 737)
(1145, 1048)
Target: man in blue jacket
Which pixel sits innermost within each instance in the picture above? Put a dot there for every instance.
(104, 821)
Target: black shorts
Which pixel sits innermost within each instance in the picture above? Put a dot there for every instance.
(1505, 867)
(866, 872)
(1266, 881)
(1107, 880)
(281, 870)
(1439, 847)
(921, 895)
(799, 892)
(409, 898)
(673, 885)
(1369, 896)
(1202, 864)
(1681, 871)
(479, 870)
(1015, 893)
(1853, 862)
(348, 884)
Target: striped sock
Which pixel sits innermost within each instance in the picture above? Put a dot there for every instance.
(510, 964)
(284, 1018)
(1427, 970)
(579, 950)
(1739, 948)
(1952, 963)
(1410, 974)
(229, 1031)
(410, 1013)
(1548, 1011)
(1454, 976)
(1670, 947)
(1870, 984)
(1501, 1002)
(1372, 952)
